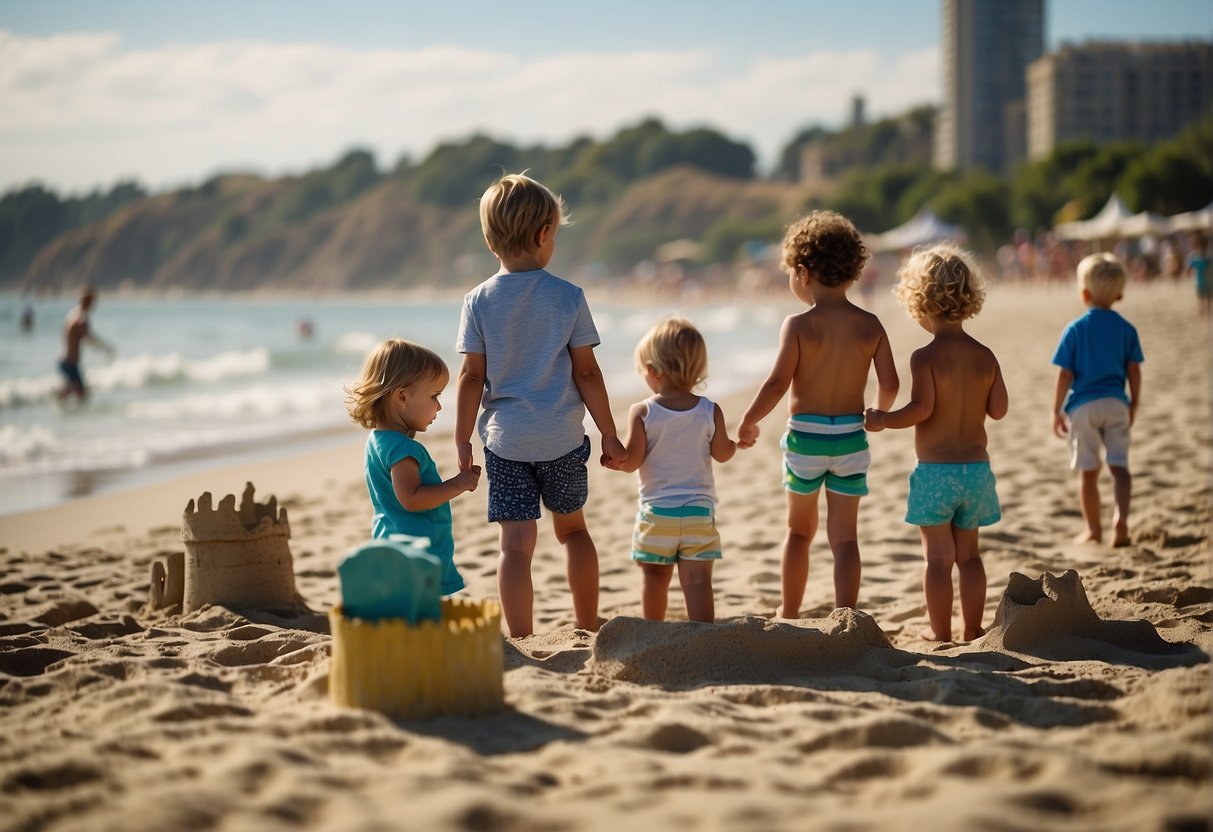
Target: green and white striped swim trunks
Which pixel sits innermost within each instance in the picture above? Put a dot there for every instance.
(826, 449)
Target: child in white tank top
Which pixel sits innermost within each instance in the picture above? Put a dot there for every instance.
(672, 438)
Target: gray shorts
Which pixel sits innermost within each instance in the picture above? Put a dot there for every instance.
(1095, 424)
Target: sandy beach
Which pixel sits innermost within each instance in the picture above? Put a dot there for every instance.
(1085, 706)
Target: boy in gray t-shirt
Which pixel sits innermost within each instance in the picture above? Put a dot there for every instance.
(528, 341)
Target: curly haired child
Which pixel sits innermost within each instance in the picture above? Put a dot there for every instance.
(825, 354)
(955, 384)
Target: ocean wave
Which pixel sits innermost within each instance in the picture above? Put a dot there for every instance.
(141, 371)
(20, 443)
(359, 343)
(259, 400)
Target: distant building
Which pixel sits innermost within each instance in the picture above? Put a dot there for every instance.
(1117, 91)
(986, 48)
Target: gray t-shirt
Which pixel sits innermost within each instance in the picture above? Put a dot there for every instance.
(524, 323)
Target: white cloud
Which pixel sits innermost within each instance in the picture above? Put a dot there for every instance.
(80, 109)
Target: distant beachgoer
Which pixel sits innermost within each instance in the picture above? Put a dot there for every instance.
(1098, 354)
(527, 339)
(305, 329)
(397, 398)
(825, 355)
(673, 436)
(27, 318)
(76, 330)
(956, 384)
(1198, 266)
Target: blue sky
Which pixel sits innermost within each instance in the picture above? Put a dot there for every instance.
(170, 92)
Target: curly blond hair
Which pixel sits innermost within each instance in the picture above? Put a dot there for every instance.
(393, 364)
(941, 281)
(513, 210)
(675, 349)
(828, 245)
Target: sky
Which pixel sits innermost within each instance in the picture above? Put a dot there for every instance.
(93, 92)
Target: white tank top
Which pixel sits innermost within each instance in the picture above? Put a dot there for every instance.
(677, 467)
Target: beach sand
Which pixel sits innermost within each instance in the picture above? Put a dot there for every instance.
(1064, 716)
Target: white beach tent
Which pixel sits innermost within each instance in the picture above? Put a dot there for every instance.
(1143, 225)
(1102, 226)
(925, 228)
(1201, 220)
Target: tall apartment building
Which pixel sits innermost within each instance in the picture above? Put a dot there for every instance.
(1116, 91)
(987, 46)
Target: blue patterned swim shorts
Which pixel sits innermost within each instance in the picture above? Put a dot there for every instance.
(515, 488)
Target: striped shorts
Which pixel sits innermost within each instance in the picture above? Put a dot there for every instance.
(665, 535)
(826, 449)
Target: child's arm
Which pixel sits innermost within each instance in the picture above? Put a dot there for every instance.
(467, 404)
(887, 383)
(921, 403)
(998, 401)
(637, 441)
(1133, 373)
(1064, 379)
(588, 378)
(773, 388)
(722, 447)
(406, 482)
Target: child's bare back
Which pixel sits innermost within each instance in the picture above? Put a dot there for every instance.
(837, 344)
(957, 374)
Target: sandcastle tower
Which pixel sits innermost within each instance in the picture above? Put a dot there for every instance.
(237, 558)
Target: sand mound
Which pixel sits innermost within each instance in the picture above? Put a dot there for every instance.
(748, 650)
(1051, 617)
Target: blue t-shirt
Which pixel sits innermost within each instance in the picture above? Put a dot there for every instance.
(525, 323)
(1097, 348)
(385, 448)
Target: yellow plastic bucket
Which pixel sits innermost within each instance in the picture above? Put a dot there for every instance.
(453, 666)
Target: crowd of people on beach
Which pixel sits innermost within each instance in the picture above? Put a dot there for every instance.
(529, 375)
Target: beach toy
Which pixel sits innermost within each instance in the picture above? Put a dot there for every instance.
(401, 649)
(393, 578)
(452, 666)
(237, 558)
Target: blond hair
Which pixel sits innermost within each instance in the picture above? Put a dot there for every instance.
(941, 281)
(1103, 275)
(828, 245)
(393, 364)
(675, 349)
(514, 209)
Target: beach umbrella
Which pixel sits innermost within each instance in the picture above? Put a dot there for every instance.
(923, 229)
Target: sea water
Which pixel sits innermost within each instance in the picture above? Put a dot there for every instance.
(200, 382)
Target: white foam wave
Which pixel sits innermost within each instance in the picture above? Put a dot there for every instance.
(140, 371)
(359, 343)
(20, 443)
(261, 401)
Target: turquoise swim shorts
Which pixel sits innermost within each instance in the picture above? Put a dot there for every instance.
(958, 493)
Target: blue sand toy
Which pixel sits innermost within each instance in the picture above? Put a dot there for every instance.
(393, 578)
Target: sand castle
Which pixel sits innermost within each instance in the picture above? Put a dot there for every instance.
(236, 558)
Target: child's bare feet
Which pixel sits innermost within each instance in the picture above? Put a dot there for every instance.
(975, 634)
(1089, 537)
(1122, 537)
(928, 634)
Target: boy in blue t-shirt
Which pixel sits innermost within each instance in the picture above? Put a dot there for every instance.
(1097, 354)
(528, 341)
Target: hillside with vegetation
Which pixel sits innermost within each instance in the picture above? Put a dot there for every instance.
(354, 226)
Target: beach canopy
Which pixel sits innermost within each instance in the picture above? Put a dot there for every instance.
(1201, 220)
(1102, 226)
(925, 228)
